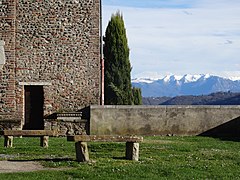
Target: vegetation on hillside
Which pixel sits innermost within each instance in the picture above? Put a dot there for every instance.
(219, 98)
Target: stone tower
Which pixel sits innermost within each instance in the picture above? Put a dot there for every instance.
(49, 58)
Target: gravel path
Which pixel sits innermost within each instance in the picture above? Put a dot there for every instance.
(21, 166)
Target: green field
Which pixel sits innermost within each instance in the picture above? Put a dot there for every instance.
(160, 158)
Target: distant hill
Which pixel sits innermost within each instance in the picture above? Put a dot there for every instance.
(195, 85)
(155, 100)
(219, 98)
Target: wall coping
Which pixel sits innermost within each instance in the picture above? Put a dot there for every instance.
(164, 106)
(35, 83)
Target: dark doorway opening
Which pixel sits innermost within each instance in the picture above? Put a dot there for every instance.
(33, 108)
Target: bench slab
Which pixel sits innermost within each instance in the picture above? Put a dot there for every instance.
(32, 133)
(43, 134)
(104, 138)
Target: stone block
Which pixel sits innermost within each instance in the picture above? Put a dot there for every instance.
(81, 151)
(132, 151)
(2, 54)
(8, 141)
(44, 141)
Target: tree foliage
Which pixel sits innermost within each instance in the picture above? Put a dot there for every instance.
(117, 65)
(137, 96)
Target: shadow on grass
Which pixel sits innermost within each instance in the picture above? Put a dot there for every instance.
(120, 158)
(56, 159)
(45, 159)
(229, 131)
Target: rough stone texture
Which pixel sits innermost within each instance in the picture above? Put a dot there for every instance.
(132, 151)
(132, 145)
(44, 141)
(58, 42)
(104, 138)
(67, 127)
(82, 154)
(164, 120)
(7, 74)
(70, 123)
(8, 141)
(10, 124)
(50, 41)
(29, 133)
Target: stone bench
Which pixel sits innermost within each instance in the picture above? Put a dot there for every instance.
(132, 145)
(43, 134)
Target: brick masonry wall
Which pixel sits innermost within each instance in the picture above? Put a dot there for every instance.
(54, 41)
(7, 74)
(58, 42)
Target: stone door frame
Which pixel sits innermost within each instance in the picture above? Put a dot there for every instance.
(29, 84)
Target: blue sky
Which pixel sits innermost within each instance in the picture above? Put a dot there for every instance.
(180, 36)
(149, 3)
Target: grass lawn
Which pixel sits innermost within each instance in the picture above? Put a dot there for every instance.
(160, 158)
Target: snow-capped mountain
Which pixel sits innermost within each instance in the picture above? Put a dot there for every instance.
(173, 85)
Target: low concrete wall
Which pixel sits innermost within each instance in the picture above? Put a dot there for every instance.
(163, 120)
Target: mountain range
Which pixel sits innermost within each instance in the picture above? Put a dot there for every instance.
(172, 85)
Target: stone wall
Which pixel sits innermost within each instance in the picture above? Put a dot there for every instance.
(67, 123)
(64, 127)
(50, 42)
(58, 42)
(7, 72)
(10, 124)
(165, 120)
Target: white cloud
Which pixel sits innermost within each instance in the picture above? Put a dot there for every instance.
(203, 39)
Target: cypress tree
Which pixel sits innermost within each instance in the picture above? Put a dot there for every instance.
(117, 87)
(137, 96)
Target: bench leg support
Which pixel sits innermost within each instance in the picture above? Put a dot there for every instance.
(132, 151)
(44, 141)
(81, 151)
(8, 141)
